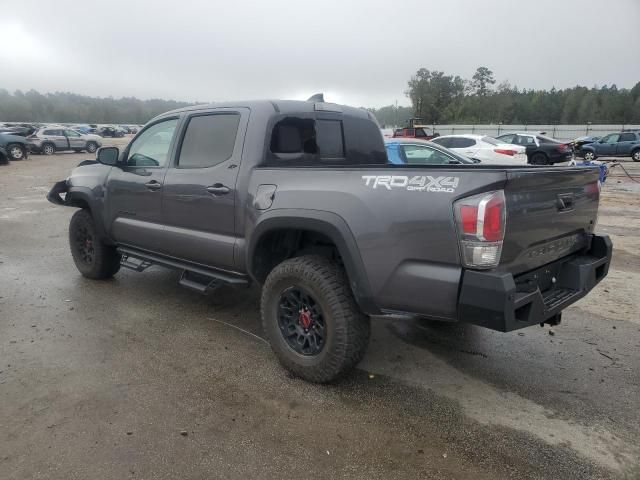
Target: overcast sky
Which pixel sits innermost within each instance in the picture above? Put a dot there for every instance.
(357, 52)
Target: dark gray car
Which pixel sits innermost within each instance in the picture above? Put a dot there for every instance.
(15, 146)
(300, 198)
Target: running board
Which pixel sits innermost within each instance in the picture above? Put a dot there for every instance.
(200, 283)
(196, 277)
(136, 264)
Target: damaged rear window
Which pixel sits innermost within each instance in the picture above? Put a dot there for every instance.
(306, 141)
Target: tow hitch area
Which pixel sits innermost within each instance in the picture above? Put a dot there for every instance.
(501, 302)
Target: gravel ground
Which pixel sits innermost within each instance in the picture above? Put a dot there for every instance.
(138, 378)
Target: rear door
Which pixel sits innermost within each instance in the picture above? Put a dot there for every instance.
(550, 212)
(57, 136)
(134, 191)
(199, 194)
(466, 146)
(626, 143)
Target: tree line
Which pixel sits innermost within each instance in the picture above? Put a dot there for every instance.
(436, 98)
(447, 99)
(33, 106)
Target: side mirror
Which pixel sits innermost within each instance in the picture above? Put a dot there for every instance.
(108, 156)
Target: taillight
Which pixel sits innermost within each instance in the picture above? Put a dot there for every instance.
(562, 148)
(481, 222)
(504, 151)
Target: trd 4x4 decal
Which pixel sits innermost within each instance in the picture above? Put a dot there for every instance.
(420, 183)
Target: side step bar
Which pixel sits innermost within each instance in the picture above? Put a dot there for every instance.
(198, 278)
(200, 283)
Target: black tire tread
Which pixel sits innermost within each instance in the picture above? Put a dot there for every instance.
(107, 258)
(351, 325)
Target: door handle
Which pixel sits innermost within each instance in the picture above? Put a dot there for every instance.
(218, 189)
(153, 185)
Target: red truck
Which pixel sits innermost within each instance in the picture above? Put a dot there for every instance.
(415, 130)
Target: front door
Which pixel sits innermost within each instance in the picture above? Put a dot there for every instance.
(75, 140)
(199, 194)
(134, 191)
(607, 145)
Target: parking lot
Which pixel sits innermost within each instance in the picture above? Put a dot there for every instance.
(139, 378)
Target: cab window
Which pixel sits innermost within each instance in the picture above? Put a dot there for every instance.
(151, 148)
(208, 140)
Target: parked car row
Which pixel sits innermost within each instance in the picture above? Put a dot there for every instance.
(26, 129)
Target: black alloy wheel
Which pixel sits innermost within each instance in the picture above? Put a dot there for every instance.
(301, 321)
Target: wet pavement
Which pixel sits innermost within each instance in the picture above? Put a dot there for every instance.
(136, 377)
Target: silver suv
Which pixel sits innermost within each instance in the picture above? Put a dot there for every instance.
(52, 138)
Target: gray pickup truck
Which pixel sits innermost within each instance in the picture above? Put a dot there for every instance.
(299, 198)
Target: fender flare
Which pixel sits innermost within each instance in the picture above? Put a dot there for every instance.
(326, 223)
(78, 197)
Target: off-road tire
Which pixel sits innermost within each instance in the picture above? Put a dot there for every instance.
(104, 261)
(347, 328)
(16, 151)
(635, 155)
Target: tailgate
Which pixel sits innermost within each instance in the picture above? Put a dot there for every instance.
(550, 214)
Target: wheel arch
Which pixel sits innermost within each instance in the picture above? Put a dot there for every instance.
(82, 197)
(319, 224)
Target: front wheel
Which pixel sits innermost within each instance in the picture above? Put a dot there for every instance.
(589, 156)
(635, 155)
(16, 152)
(311, 319)
(93, 258)
(92, 147)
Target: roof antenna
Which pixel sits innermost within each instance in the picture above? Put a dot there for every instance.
(318, 97)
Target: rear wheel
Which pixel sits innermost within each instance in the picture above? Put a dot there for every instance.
(311, 319)
(539, 159)
(16, 151)
(589, 156)
(635, 155)
(48, 149)
(93, 258)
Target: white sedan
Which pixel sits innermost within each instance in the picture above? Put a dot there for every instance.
(486, 149)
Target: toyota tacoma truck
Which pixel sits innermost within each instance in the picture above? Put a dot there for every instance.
(299, 198)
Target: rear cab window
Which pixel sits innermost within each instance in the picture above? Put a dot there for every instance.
(311, 140)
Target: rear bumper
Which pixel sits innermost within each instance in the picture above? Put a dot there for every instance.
(500, 301)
